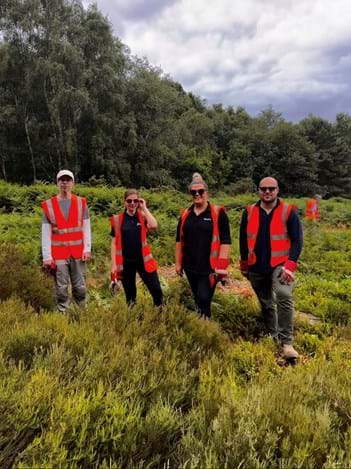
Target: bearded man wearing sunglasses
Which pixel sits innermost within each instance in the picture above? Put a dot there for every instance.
(130, 252)
(202, 245)
(270, 245)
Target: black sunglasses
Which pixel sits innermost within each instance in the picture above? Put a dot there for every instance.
(194, 192)
(132, 201)
(265, 189)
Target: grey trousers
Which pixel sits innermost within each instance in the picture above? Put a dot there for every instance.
(74, 270)
(277, 304)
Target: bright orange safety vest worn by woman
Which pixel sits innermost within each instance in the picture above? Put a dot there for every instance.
(202, 245)
(150, 264)
(130, 251)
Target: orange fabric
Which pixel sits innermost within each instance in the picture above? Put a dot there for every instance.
(215, 242)
(66, 234)
(149, 261)
(312, 210)
(280, 242)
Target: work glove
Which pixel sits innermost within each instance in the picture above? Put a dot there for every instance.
(244, 268)
(220, 274)
(286, 275)
(115, 283)
(50, 269)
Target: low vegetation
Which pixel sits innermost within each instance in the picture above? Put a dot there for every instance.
(109, 386)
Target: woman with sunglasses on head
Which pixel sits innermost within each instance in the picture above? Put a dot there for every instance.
(130, 252)
(202, 245)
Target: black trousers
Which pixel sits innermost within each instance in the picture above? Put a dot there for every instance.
(202, 291)
(130, 268)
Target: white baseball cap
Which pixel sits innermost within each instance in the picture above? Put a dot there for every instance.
(64, 172)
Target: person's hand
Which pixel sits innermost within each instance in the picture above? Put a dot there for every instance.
(221, 276)
(286, 276)
(86, 256)
(115, 283)
(220, 272)
(244, 268)
(47, 262)
(49, 267)
(179, 269)
(142, 205)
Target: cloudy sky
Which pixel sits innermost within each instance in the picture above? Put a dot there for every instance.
(292, 54)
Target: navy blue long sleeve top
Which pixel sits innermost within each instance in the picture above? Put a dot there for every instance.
(263, 244)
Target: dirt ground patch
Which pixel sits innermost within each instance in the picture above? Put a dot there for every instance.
(234, 286)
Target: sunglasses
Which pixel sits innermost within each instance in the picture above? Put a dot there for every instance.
(194, 192)
(265, 189)
(132, 201)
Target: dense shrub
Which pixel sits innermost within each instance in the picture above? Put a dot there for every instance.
(145, 389)
(21, 279)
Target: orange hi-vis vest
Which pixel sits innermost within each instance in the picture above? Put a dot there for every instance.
(67, 239)
(312, 210)
(215, 241)
(149, 261)
(280, 241)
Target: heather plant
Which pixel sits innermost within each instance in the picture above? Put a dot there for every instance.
(22, 279)
(110, 386)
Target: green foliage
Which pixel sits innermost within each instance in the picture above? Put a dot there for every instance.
(144, 388)
(109, 386)
(23, 280)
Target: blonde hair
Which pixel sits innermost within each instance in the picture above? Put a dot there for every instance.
(197, 179)
(129, 192)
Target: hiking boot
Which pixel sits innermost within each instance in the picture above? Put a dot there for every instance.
(289, 353)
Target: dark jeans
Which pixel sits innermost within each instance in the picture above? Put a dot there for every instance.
(202, 291)
(279, 322)
(130, 268)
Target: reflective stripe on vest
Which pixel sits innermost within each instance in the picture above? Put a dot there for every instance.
(67, 243)
(215, 240)
(66, 230)
(148, 259)
(279, 237)
(116, 224)
(52, 218)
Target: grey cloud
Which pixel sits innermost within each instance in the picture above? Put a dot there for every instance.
(293, 107)
(135, 10)
(256, 60)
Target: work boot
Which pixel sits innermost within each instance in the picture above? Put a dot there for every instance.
(289, 353)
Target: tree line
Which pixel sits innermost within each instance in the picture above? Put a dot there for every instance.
(72, 95)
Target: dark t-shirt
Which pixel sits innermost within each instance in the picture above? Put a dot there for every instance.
(197, 239)
(131, 237)
(263, 241)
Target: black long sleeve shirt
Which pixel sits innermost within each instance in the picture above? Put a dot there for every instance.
(263, 243)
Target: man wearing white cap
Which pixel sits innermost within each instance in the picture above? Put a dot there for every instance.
(66, 240)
